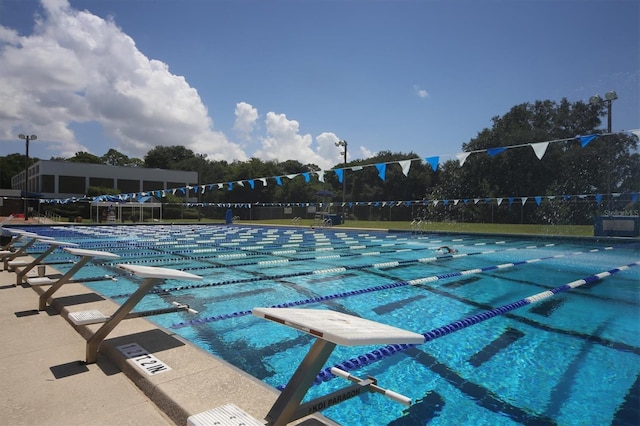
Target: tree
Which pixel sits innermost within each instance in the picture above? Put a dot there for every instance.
(115, 158)
(168, 157)
(85, 157)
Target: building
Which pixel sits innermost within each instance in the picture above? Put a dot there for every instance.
(65, 179)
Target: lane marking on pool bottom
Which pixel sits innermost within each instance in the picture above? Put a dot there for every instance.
(396, 284)
(377, 354)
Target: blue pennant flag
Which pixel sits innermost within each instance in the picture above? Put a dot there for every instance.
(279, 180)
(495, 151)
(584, 140)
(382, 170)
(252, 183)
(433, 162)
(538, 200)
(307, 177)
(339, 173)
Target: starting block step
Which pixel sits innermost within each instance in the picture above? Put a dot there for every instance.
(87, 317)
(17, 263)
(40, 281)
(225, 415)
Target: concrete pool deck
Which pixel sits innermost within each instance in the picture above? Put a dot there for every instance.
(46, 382)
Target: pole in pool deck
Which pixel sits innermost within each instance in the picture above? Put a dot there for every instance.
(27, 138)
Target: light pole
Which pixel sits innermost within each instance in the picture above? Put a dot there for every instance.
(27, 138)
(343, 144)
(609, 97)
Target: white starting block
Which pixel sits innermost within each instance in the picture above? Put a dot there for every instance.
(9, 261)
(153, 275)
(330, 328)
(20, 276)
(85, 257)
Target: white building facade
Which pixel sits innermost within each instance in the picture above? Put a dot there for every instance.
(64, 179)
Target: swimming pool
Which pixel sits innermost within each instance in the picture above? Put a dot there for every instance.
(573, 358)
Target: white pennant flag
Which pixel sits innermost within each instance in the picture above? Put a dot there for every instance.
(405, 164)
(264, 181)
(524, 200)
(540, 148)
(499, 201)
(321, 176)
(462, 157)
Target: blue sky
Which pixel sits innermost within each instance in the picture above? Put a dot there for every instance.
(286, 79)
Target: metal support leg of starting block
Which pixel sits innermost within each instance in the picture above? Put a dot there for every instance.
(52, 246)
(330, 328)
(22, 250)
(86, 256)
(153, 276)
(94, 341)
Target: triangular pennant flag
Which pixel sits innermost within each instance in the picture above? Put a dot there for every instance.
(492, 152)
(264, 181)
(356, 168)
(241, 183)
(499, 201)
(455, 202)
(252, 183)
(524, 200)
(405, 164)
(278, 180)
(433, 162)
(584, 140)
(462, 157)
(339, 173)
(538, 200)
(476, 200)
(321, 175)
(540, 148)
(307, 177)
(382, 170)
(229, 186)
(292, 176)
(220, 185)
(599, 198)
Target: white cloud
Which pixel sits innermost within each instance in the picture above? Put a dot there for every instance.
(283, 141)
(421, 93)
(246, 120)
(78, 68)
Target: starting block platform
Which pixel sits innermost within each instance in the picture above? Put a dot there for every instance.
(87, 317)
(330, 329)
(225, 415)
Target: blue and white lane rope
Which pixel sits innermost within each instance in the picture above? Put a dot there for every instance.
(304, 273)
(396, 284)
(377, 354)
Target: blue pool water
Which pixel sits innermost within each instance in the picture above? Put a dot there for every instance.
(573, 358)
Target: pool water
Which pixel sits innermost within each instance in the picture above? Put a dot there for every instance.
(573, 358)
